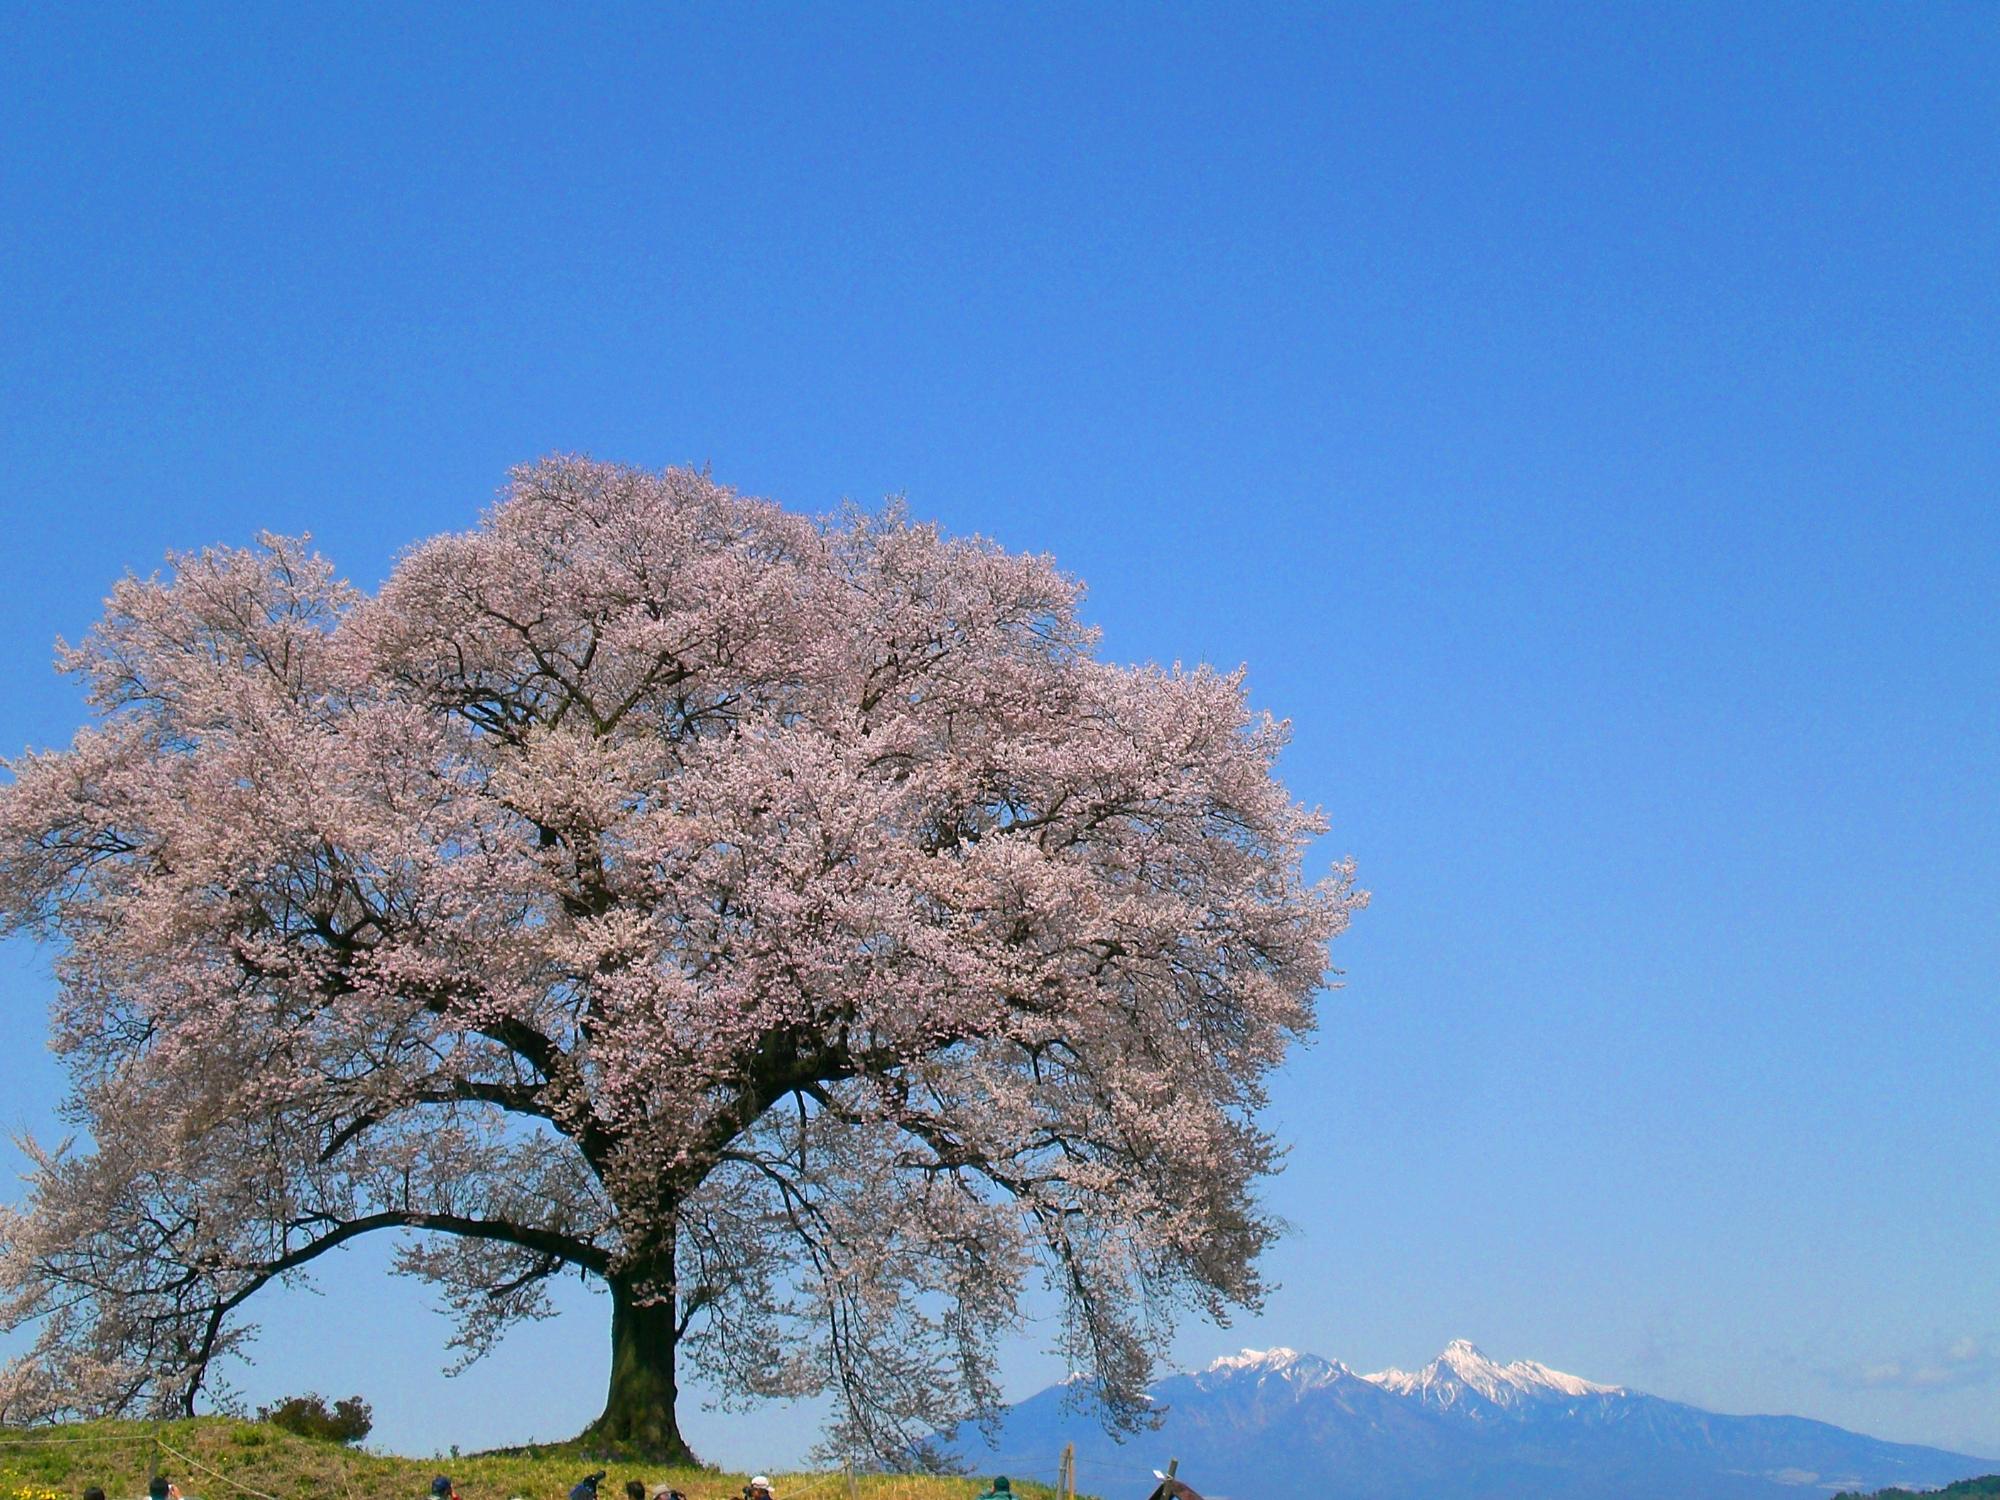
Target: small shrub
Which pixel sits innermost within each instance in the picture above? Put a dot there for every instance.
(308, 1416)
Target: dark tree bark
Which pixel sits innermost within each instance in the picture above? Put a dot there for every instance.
(639, 1416)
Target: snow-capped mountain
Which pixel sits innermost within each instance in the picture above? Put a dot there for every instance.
(1296, 1369)
(1462, 1376)
(1275, 1423)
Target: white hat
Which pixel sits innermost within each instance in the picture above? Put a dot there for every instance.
(759, 1482)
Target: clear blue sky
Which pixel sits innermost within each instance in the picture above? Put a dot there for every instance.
(1581, 418)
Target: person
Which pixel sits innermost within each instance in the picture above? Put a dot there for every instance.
(759, 1488)
(93, 1492)
(441, 1488)
(586, 1487)
(1001, 1489)
(157, 1488)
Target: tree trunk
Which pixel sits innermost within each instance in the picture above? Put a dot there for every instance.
(638, 1415)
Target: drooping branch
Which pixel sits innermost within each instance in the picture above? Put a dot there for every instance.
(554, 1250)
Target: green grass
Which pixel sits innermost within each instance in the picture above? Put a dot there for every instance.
(252, 1458)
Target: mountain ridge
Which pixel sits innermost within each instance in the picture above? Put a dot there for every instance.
(1462, 1427)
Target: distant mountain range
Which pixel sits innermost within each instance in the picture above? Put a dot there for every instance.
(1277, 1424)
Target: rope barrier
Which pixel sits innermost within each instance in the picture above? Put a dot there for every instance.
(214, 1473)
(46, 1442)
(827, 1481)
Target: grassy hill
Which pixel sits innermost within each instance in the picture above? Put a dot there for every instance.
(218, 1458)
(1965, 1489)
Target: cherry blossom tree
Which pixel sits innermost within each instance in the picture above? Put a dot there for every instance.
(789, 924)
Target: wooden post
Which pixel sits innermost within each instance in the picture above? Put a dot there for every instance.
(853, 1484)
(1066, 1473)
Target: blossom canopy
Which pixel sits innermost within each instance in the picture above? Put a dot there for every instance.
(791, 924)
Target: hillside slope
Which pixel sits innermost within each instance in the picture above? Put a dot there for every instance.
(217, 1458)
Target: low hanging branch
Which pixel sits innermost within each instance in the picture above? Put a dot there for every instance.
(790, 924)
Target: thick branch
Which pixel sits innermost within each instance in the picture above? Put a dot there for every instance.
(559, 1249)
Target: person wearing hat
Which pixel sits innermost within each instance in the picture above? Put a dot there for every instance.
(441, 1488)
(586, 1487)
(759, 1488)
(1001, 1489)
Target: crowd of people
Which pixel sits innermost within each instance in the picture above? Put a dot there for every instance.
(586, 1488)
(159, 1487)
